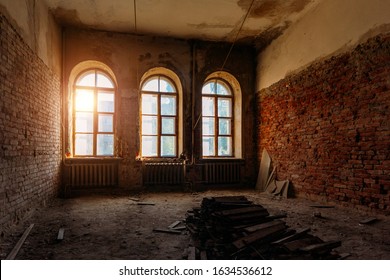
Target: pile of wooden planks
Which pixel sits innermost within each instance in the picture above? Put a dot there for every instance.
(233, 227)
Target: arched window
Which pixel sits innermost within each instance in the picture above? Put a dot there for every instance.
(221, 116)
(93, 114)
(159, 117)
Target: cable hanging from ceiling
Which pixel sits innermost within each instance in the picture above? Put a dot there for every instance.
(238, 33)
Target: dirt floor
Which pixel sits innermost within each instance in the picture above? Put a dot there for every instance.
(113, 226)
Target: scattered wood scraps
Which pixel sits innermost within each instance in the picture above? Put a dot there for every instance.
(19, 244)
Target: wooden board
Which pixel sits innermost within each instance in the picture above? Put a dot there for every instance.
(292, 237)
(174, 224)
(60, 235)
(321, 246)
(167, 230)
(241, 210)
(263, 175)
(18, 245)
(263, 226)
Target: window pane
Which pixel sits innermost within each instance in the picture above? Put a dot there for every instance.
(224, 107)
(106, 102)
(225, 127)
(84, 100)
(166, 85)
(106, 123)
(208, 126)
(149, 146)
(87, 79)
(149, 104)
(168, 125)
(208, 106)
(104, 81)
(84, 144)
(168, 146)
(105, 145)
(149, 125)
(209, 88)
(151, 85)
(222, 88)
(168, 105)
(224, 146)
(208, 146)
(84, 122)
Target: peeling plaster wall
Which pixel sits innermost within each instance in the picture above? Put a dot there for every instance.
(329, 28)
(35, 24)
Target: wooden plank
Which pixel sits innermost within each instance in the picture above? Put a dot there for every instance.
(321, 246)
(285, 189)
(258, 235)
(174, 224)
(263, 175)
(254, 215)
(322, 206)
(60, 235)
(145, 203)
(240, 210)
(167, 230)
(301, 243)
(19, 244)
(230, 199)
(295, 236)
(134, 199)
(368, 221)
(263, 226)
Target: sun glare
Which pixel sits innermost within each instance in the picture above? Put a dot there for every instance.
(84, 100)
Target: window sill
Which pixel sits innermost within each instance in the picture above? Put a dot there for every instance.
(91, 159)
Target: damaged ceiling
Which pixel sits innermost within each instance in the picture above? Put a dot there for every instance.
(216, 20)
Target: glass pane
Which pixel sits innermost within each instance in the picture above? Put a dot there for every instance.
(149, 146)
(149, 104)
(84, 144)
(106, 102)
(168, 105)
(84, 122)
(224, 107)
(104, 81)
(149, 125)
(222, 88)
(168, 125)
(208, 126)
(209, 88)
(84, 100)
(87, 79)
(224, 146)
(208, 146)
(106, 123)
(225, 127)
(208, 106)
(168, 146)
(151, 85)
(166, 85)
(105, 145)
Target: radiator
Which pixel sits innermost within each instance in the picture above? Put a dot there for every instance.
(93, 174)
(222, 172)
(172, 173)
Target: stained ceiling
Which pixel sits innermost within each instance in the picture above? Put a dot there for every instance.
(215, 20)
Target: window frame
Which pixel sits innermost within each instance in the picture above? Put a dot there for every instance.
(217, 134)
(96, 113)
(160, 116)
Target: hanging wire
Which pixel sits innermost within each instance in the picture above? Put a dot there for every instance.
(238, 33)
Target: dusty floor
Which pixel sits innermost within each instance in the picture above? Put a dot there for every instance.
(116, 227)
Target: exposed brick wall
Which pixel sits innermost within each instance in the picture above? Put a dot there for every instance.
(327, 128)
(30, 128)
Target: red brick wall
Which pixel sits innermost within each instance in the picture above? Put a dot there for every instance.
(327, 128)
(30, 128)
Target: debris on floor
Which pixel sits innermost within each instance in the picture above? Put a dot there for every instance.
(233, 227)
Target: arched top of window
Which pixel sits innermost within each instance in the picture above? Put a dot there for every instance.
(95, 78)
(159, 83)
(216, 86)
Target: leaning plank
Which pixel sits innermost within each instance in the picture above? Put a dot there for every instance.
(263, 226)
(60, 235)
(258, 235)
(295, 236)
(167, 230)
(263, 175)
(18, 245)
